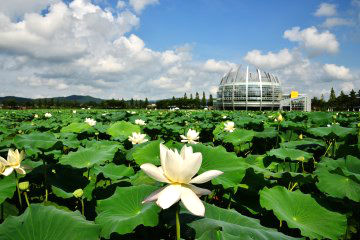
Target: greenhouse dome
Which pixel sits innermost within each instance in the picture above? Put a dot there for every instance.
(243, 89)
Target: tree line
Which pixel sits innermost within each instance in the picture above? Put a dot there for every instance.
(186, 102)
(343, 102)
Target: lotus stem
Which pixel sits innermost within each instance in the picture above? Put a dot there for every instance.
(2, 212)
(327, 149)
(334, 148)
(26, 199)
(82, 207)
(45, 180)
(177, 223)
(18, 190)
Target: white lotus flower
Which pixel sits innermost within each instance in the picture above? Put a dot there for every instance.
(90, 121)
(178, 170)
(36, 116)
(48, 115)
(191, 137)
(137, 138)
(224, 117)
(140, 122)
(229, 126)
(12, 163)
(74, 111)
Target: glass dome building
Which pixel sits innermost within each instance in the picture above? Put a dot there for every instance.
(242, 89)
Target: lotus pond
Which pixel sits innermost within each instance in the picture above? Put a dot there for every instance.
(83, 175)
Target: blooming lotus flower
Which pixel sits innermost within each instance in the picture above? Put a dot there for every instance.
(48, 115)
(74, 111)
(137, 138)
(178, 171)
(191, 137)
(90, 121)
(229, 126)
(224, 117)
(140, 122)
(36, 116)
(12, 163)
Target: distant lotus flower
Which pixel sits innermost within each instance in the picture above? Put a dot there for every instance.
(89, 108)
(104, 114)
(90, 121)
(74, 111)
(82, 108)
(48, 115)
(140, 122)
(224, 117)
(178, 171)
(229, 126)
(12, 163)
(280, 118)
(36, 116)
(137, 138)
(133, 112)
(191, 137)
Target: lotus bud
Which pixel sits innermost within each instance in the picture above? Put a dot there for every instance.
(301, 159)
(358, 125)
(78, 193)
(280, 118)
(300, 136)
(23, 186)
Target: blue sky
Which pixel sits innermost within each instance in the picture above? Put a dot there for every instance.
(161, 48)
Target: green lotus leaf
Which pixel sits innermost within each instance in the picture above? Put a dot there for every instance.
(289, 153)
(35, 140)
(88, 157)
(233, 225)
(308, 142)
(217, 158)
(48, 222)
(334, 131)
(113, 171)
(239, 136)
(147, 153)
(123, 211)
(61, 193)
(301, 211)
(7, 187)
(337, 185)
(76, 128)
(122, 129)
(350, 166)
(269, 132)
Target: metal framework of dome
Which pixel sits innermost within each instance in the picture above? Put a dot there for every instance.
(242, 89)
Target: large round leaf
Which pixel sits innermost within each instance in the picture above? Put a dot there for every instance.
(113, 171)
(233, 224)
(239, 136)
(40, 222)
(289, 153)
(123, 211)
(122, 129)
(217, 158)
(301, 211)
(35, 140)
(76, 128)
(87, 157)
(7, 187)
(334, 131)
(147, 153)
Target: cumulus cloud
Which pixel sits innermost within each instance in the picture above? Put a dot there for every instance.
(139, 5)
(120, 4)
(80, 48)
(336, 21)
(337, 72)
(17, 8)
(312, 40)
(326, 9)
(269, 60)
(218, 66)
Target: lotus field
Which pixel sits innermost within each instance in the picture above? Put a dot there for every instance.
(103, 174)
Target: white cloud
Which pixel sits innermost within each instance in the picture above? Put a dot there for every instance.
(337, 72)
(120, 4)
(139, 5)
(218, 66)
(314, 41)
(17, 8)
(326, 9)
(269, 60)
(336, 21)
(347, 86)
(80, 48)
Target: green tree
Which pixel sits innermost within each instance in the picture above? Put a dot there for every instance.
(203, 100)
(352, 100)
(211, 100)
(185, 96)
(332, 99)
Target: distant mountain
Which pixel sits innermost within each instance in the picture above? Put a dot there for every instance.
(76, 98)
(79, 99)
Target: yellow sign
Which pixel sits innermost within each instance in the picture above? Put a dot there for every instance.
(294, 94)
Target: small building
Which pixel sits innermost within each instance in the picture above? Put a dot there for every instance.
(295, 102)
